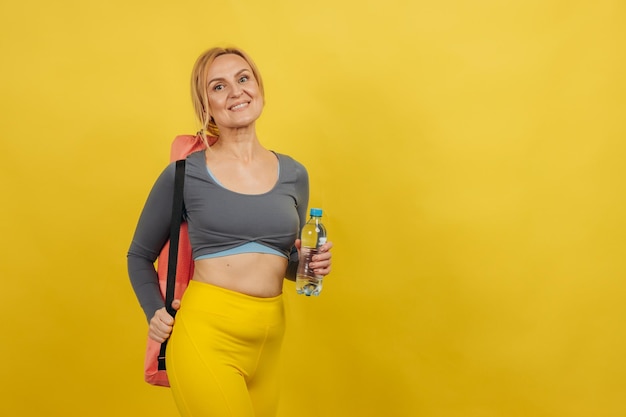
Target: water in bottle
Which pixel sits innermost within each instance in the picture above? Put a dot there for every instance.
(313, 236)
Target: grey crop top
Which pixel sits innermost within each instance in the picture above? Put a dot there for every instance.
(218, 220)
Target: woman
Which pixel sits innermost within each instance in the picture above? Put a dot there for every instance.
(245, 206)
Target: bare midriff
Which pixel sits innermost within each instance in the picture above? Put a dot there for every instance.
(255, 274)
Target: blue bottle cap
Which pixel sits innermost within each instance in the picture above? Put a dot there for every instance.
(317, 212)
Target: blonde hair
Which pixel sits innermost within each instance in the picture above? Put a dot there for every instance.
(199, 84)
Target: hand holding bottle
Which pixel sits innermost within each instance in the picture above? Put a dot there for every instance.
(321, 264)
(313, 260)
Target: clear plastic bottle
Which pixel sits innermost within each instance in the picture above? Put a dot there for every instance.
(313, 236)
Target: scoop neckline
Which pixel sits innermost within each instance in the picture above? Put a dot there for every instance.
(214, 180)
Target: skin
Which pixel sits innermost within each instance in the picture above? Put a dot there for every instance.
(241, 164)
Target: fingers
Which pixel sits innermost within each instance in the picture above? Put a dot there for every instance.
(176, 304)
(322, 261)
(161, 325)
(326, 246)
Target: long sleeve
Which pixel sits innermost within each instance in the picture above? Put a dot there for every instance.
(302, 197)
(150, 236)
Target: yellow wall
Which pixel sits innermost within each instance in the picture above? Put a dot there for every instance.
(469, 156)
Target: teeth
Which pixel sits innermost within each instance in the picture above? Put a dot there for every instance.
(238, 106)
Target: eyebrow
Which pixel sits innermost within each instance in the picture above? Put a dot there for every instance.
(223, 79)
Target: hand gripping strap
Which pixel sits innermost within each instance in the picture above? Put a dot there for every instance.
(177, 217)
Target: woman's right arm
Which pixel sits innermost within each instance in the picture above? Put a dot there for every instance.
(151, 234)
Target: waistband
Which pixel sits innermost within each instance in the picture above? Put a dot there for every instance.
(211, 299)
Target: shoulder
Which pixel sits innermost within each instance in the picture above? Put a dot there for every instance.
(292, 165)
(294, 174)
(195, 164)
(168, 173)
(195, 158)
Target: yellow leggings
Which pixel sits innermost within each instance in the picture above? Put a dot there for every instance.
(222, 357)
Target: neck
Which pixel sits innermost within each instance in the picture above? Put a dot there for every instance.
(238, 144)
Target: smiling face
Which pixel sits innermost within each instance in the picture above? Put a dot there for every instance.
(235, 100)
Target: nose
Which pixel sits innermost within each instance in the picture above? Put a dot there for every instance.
(237, 90)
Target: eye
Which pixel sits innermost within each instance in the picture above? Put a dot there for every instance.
(218, 87)
(243, 79)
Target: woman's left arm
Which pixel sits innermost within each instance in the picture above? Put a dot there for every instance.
(322, 261)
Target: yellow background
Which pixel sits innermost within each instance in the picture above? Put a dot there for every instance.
(469, 156)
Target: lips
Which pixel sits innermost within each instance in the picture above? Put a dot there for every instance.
(239, 106)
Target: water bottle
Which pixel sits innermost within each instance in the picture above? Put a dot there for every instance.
(313, 236)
